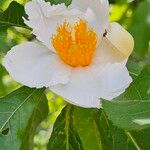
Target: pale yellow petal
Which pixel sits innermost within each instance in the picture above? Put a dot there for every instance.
(120, 39)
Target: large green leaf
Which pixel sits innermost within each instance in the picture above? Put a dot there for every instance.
(20, 114)
(115, 138)
(12, 16)
(81, 124)
(64, 135)
(131, 109)
(98, 133)
(95, 132)
(140, 28)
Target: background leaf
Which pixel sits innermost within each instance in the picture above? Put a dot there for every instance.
(12, 16)
(67, 2)
(140, 28)
(21, 112)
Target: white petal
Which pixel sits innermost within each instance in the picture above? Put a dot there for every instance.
(37, 11)
(115, 47)
(97, 8)
(105, 53)
(88, 84)
(44, 18)
(35, 66)
(120, 39)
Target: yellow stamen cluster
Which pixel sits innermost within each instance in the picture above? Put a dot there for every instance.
(75, 44)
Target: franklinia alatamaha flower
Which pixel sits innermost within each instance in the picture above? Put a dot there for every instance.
(81, 55)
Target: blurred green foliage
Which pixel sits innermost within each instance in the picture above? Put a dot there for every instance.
(134, 15)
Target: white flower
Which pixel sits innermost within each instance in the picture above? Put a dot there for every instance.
(81, 57)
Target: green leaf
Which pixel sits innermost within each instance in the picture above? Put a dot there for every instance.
(140, 28)
(2, 86)
(5, 43)
(115, 138)
(95, 132)
(64, 135)
(132, 107)
(67, 2)
(98, 133)
(134, 68)
(12, 16)
(82, 124)
(87, 128)
(21, 112)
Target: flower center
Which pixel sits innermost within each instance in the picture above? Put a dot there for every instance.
(75, 44)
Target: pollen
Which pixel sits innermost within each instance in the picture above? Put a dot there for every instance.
(75, 44)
